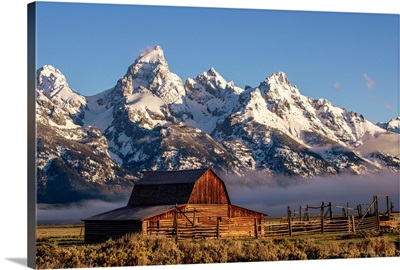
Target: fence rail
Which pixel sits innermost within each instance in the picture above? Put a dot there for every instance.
(323, 222)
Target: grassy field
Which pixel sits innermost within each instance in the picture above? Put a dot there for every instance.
(62, 235)
(62, 246)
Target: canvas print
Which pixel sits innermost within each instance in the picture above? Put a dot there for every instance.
(181, 135)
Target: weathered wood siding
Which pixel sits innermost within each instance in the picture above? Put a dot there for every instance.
(204, 214)
(209, 189)
(206, 217)
(205, 211)
(100, 231)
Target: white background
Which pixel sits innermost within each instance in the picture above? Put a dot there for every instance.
(13, 126)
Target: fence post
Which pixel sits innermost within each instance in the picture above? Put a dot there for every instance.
(330, 211)
(255, 228)
(322, 217)
(176, 223)
(217, 227)
(308, 213)
(391, 206)
(289, 215)
(348, 224)
(300, 213)
(388, 206)
(377, 212)
(144, 227)
(353, 227)
(262, 226)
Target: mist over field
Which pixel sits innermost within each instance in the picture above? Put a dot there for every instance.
(74, 213)
(273, 195)
(258, 192)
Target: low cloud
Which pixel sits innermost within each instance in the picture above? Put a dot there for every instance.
(384, 143)
(74, 213)
(260, 192)
(272, 197)
(388, 106)
(368, 81)
(336, 85)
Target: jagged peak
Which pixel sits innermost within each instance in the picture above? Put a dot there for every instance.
(152, 55)
(151, 59)
(49, 71)
(278, 85)
(213, 72)
(213, 75)
(48, 78)
(279, 77)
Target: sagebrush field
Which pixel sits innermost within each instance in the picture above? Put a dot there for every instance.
(63, 247)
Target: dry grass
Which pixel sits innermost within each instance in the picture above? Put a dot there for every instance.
(154, 250)
(60, 231)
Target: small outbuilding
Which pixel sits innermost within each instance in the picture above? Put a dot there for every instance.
(179, 204)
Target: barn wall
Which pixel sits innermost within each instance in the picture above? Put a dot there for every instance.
(100, 231)
(204, 214)
(236, 211)
(214, 217)
(244, 219)
(209, 189)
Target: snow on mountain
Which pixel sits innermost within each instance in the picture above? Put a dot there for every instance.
(73, 162)
(393, 125)
(52, 84)
(274, 112)
(210, 99)
(151, 71)
(302, 115)
(150, 120)
(97, 112)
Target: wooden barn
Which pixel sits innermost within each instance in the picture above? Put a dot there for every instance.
(179, 204)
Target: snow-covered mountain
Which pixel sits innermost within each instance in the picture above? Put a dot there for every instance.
(393, 125)
(151, 120)
(276, 129)
(210, 99)
(73, 162)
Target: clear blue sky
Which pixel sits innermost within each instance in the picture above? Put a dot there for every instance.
(350, 59)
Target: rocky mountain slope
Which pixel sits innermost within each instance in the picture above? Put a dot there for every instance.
(393, 125)
(152, 120)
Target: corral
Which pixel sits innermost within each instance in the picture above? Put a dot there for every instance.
(180, 204)
(351, 220)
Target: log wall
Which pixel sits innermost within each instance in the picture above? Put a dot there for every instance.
(213, 220)
(100, 231)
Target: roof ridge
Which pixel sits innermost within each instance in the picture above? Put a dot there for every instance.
(177, 171)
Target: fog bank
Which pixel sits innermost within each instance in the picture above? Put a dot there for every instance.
(261, 193)
(274, 195)
(73, 213)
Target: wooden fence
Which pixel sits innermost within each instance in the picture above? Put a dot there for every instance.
(324, 221)
(238, 227)
(371, 218)
(344, 225)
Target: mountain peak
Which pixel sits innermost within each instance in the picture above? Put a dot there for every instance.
(49, 71)
(279, 77)
(152, 55)
(50, 78)
(213, 72)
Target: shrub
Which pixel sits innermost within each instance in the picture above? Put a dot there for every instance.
(133, 250)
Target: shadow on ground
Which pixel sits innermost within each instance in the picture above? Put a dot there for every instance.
(20, 261)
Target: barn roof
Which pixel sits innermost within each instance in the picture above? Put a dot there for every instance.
(132, 213)
(158, 192)
(171, 177)
(165, 187)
